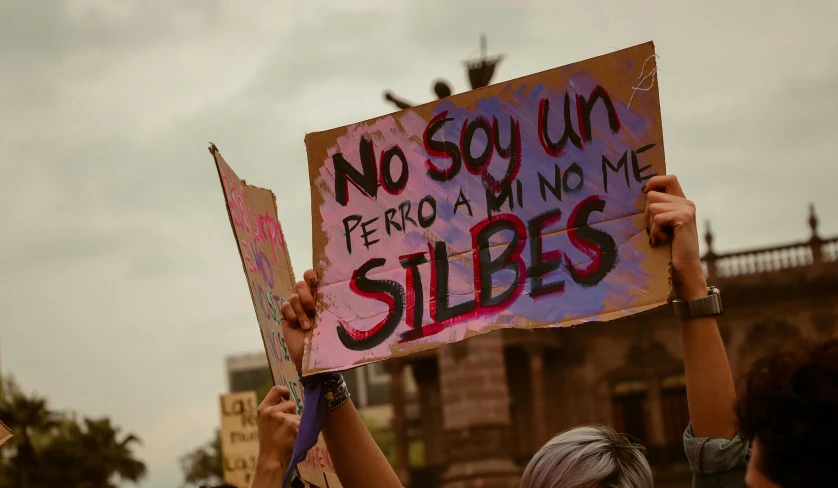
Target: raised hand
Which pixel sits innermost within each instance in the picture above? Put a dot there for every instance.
(298, 312)
(670, 217)
(278, 428)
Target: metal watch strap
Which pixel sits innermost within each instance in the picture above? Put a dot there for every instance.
(709, 306)
(335, 393)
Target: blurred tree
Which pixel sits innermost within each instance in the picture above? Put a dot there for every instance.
(204, 464)
(52, 449)
(93, 451)
(32, 423)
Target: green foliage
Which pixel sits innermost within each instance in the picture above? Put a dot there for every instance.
(416, 454)
(52, 449)
(204, 464)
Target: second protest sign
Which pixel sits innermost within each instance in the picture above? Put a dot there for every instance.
(515, 205)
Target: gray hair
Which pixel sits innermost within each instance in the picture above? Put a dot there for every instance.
(587, 457)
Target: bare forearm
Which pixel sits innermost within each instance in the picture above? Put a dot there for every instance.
(710, 390)
(358, 461)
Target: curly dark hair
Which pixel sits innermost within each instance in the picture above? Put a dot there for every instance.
(790, 406)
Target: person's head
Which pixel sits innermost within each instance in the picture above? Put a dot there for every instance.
(789, 412)
(588, 457)
(442, 89)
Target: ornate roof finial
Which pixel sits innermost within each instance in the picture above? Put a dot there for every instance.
(482, 69)
(708, 237)
(813, 220)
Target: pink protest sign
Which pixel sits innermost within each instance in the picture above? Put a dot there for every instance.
(515, 205)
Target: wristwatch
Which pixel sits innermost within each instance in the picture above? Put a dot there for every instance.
(709, 306)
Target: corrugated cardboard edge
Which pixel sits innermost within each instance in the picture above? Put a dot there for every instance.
(215, 155)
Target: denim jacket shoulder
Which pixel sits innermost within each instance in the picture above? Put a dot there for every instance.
(716, 462)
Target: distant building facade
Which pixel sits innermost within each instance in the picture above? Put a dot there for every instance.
(247, 372)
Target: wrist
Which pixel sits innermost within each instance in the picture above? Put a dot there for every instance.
(690, 285)
(271, 463)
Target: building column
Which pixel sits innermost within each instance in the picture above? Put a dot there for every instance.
(426, 374)
(396, 369)
(539, 402)
(656, 439)
(476, 420)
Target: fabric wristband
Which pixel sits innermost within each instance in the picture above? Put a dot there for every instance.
(311, 420)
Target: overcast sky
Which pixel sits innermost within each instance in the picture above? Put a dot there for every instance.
(122, 290)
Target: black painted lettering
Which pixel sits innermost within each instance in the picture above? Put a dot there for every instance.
(495, 202)
(636, 170)
(413, 280)
(509, 259)
(426, 220)
(356, 219)
(573, 170)
(366, 180)
(462, 200)
(440, 307)
(387, 291)
(365, 233)
(390, 186)
(550, 147)
(441, 149)
(555, 188)
(543, 263)
(476, 165)
(599, 246)
(621, 164)
(584, 107)
(404, 210)
(388, 220)
(512, 152)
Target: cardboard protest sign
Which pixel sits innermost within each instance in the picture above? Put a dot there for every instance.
(5, 433)
(267, 267)
(239, 438)
(515, 205)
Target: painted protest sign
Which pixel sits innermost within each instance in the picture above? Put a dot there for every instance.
(515, 205)
(270, 277)
(239, 438)
(5, 433)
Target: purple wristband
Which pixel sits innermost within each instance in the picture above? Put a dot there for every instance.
(312, 419)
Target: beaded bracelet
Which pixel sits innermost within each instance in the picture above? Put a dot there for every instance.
(335, 393)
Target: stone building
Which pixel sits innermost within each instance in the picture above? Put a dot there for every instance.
(247, 372)
(480, 408)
